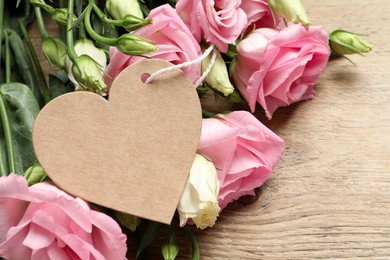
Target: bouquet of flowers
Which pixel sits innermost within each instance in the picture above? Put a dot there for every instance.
(260, 54)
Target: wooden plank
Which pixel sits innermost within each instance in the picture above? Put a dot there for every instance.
(329, 197)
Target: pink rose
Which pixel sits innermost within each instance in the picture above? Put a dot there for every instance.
(242, 149)
(219, 22)
(259, 14)
(43, 222)
(278, 68)
(175, 44)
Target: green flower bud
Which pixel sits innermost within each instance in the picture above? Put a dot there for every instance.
(218, 77)
(170, 250)
(132, 44)
(60, 15)
(88, 73)
(35, 174)
(127, 220)
(344, 42)
(55, 51)
(291, 10)
(89, 69)
(131, 22)
(118, 9)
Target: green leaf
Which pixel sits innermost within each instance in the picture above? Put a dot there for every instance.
(58, 87)
(22, 109)
(151, 234)
(25, 66)
(80, 19)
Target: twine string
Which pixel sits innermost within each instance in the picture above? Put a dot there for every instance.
(210, 49)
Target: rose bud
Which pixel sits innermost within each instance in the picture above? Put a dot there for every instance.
(131, 44)
(118, 9)
(218, 77)
(344, 42)
(199, 198)
(291, 10)
(55, 52)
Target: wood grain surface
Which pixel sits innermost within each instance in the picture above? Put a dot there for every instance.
(330, 195)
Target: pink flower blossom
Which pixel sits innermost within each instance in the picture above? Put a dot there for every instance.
(242, 149)
(259, 14)
(43, 222)
(278, 68)
(175, 44)
(219, 22)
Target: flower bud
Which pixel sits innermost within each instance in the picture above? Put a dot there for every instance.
(127, 220)
(118, 9)
(344, 42)
(199, 198)
(55, 51)
(218, 77)
(60, 15)
(88, 73)
(35, 174)
(170, 249)
(88, 70)
(132, 44)
(291, 10)
(131, 22)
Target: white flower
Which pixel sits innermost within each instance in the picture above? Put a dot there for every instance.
(87, 47)
(119, 8)
(199, 199)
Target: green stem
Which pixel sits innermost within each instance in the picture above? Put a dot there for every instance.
(1, 24)
(104, 18)
(69, 33)
(7, 59)
(194, 243)
(41, 23)
(62, 28)
(92, 33)
(7, 135)
(81, 31)
(44, 87)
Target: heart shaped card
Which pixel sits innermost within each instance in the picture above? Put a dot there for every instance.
(131, 153)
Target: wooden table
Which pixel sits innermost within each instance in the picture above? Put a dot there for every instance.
(330, 195)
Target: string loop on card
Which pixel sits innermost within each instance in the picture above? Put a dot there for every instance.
(210, 49)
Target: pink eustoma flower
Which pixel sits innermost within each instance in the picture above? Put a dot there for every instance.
(278, 68)
(219, 22)
(242, 149)
(43, 222)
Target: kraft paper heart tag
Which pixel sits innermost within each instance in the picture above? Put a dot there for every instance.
(131, 153)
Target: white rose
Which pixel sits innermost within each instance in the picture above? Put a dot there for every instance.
(199, 199)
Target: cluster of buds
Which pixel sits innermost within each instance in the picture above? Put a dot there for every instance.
(83, 61)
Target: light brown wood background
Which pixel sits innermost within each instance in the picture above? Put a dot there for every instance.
(330, 195)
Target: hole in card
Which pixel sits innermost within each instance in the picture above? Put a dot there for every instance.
(144, 77)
